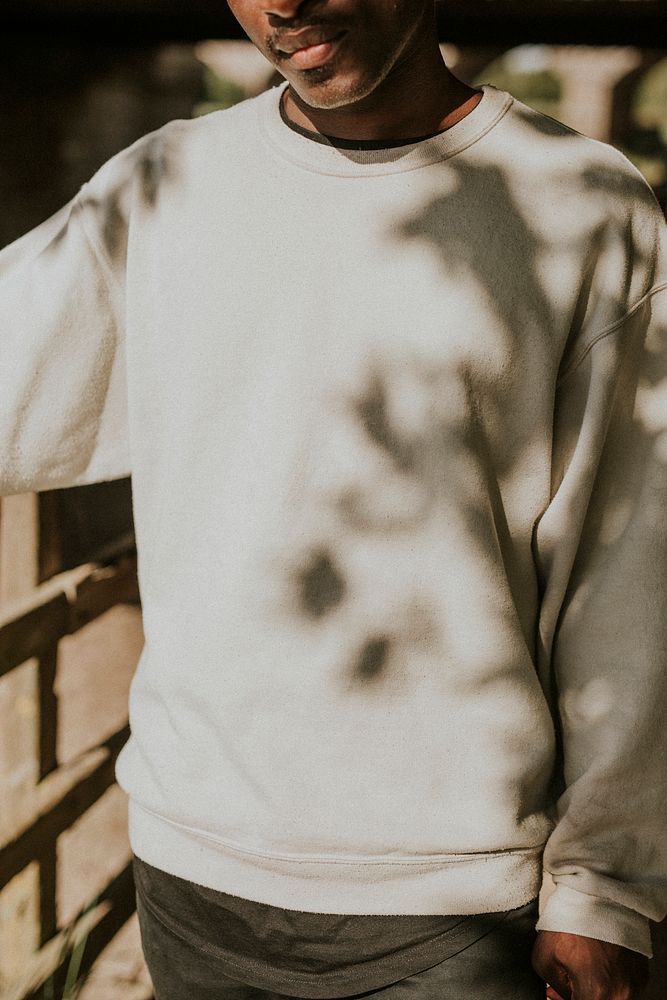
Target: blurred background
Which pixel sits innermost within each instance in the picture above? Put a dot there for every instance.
(80, 80)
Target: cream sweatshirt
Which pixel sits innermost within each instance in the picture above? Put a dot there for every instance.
(397, 431)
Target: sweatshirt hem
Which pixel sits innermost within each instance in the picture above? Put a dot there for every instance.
(446, 884)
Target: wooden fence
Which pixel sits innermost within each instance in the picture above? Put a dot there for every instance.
(34, 618)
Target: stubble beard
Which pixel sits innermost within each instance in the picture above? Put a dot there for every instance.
(343, 95)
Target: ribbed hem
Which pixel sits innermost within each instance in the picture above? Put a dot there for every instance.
(449, 884)
(572, 912)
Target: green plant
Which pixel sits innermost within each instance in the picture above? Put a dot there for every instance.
(73, 969)
(72, 982)
(220, 93)
(541, 89)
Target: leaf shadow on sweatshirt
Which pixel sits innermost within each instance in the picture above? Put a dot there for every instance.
(150, 164)
(625, 510)
(419, 462)
(91, 233)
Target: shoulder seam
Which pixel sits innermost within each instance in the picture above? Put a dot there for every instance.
(606, 331)
(98, 250)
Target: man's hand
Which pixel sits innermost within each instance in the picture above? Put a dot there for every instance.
(582, 968)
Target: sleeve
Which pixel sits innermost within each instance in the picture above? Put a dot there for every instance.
(601, 549)
(63, 406)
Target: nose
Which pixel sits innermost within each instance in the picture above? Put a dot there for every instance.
(280, 11)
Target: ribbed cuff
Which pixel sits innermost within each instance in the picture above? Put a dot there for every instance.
(573, 912)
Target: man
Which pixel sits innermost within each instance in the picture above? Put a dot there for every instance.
(382, 354)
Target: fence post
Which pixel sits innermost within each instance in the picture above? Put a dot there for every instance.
(20, 752)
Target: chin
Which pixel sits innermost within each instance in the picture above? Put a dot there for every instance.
(327, 90)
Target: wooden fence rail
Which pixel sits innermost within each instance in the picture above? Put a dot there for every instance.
(31, 627)
(98, 924)
(65, 603)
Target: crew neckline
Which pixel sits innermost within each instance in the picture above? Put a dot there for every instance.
(329, 140)
(326, 158)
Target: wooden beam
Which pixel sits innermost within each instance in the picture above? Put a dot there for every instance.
(19, 545)
(105, 587)
(20, 900)
(506, 22)
(98, 923)
(34, 631)
(62, 605)
(59, 801)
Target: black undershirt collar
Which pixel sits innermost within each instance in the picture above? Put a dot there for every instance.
(331, 140)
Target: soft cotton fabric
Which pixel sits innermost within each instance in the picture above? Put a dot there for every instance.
(395, 421)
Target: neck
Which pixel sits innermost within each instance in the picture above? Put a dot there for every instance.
(418, 97)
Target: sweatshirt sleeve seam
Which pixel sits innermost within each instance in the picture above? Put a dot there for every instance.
(611, 328)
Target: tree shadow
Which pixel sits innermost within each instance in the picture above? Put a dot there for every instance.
(140, 172)
(480, 461)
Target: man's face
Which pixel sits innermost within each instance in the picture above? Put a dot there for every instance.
(333, 52)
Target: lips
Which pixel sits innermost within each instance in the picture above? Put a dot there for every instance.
(289, 42)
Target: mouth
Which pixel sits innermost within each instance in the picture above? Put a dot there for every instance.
(308, 49)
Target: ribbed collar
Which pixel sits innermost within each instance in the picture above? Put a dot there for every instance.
(324, 158)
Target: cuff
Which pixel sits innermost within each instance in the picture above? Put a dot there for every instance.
(572, 912)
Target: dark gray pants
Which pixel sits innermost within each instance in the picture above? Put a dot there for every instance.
(495, 967)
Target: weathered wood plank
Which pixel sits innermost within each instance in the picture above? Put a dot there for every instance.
(33, 633)
(19, 546)
(97, 925)
(120, 894)
(59, 800)
(19, 924)
(104, 588)
(19, 744)
(31, 626)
